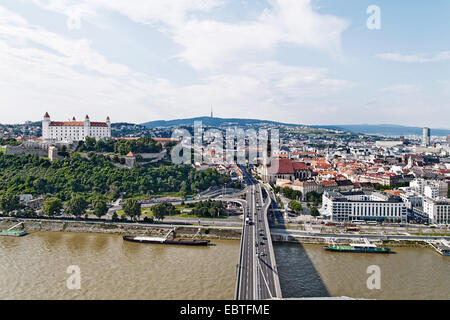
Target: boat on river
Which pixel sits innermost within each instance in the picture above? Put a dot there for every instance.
(175, 241)
(364, 247)
(358, 248)
(165, 240)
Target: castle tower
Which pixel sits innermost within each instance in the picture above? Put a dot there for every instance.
(87, 127)
(108, 122)
(46, 127)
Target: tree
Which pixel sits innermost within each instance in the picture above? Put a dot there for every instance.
(315, 212)
(52, 206)
(159, 211)
(100, 207)
(132, 209)
(9, 202)
(291, 193)
(77, 206)
(314, 197)
(295, 206)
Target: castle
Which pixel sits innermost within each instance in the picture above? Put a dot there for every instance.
(71, 131)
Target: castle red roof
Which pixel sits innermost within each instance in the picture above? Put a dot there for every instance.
(98, 124)
(76, 124)
(66, 124)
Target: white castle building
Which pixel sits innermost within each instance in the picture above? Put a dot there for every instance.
(70, 131)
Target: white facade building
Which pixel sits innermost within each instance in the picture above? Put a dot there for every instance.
(70, 131)
(438, 210)
(430, 188)
(349, 206)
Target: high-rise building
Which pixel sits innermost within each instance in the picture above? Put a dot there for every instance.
(426, 140)
(448, 139)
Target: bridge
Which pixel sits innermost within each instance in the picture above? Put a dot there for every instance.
(257, 274)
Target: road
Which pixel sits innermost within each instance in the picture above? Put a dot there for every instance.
(246, 286)
(293, 232)
(258, 277)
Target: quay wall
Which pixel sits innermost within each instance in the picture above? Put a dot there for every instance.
(277, 238)
(32, 225)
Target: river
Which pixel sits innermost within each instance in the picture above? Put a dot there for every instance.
(307, 270)
(34, 267)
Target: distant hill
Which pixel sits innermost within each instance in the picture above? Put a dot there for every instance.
(384, 129)
(208, 121)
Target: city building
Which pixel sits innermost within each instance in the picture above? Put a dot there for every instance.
(359, 205)
(306, 187)
(438, 210)
(430, 188)
(282, 168)
(426, 140)
(71, 131)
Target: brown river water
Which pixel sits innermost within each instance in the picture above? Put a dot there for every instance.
(34, 267)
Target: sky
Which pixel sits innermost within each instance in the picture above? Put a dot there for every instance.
(294, 61)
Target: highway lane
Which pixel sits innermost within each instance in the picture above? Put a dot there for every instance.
(246, 286)
(265, 261)
(258, 278)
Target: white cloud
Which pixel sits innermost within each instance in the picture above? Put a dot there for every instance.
(22, 38)
(170, 12)
(418, 58)
(210, 44)
(401, 89)
(43, 71)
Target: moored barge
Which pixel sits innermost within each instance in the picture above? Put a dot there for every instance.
(174, 241)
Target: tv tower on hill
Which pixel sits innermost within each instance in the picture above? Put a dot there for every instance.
(212, 114)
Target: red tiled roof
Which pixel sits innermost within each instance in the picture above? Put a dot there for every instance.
(280, 166)
(330, 183)
(98, 124)
(76, 124)
(299, 166)
(323, 165)
(66, 124)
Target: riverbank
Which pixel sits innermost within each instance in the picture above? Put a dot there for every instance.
(205, 232)
(324, 239)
